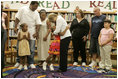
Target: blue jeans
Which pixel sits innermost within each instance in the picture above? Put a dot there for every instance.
(32, 50)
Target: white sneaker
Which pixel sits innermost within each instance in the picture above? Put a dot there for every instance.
(32, 66)
(51, 67)
(75, 63)
(44, 65)
(101, 71)
(20, 67)
(25, 67)
(93, 64)
(83, 64)
(17, 64)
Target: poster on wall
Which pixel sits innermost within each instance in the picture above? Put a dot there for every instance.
(66, 5)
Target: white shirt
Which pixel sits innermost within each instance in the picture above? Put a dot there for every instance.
(61, 26)
(31, 18)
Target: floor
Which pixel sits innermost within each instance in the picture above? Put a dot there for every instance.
(114, 62)
(73, 71)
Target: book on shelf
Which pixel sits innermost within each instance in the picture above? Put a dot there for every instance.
(88, 17)
(68, 16)
(12, 33)
(11, 24)
(13, 15)
(113, 18)
(71, 16)
(114, 26)
(114, 48)
(114, 52)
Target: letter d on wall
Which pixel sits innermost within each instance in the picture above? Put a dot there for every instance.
(65, 7)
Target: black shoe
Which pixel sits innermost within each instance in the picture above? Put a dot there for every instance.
(106, 70)
(61, 70)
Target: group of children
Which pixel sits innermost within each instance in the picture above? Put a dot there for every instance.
(105, 42)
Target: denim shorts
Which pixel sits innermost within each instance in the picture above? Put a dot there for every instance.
(94, 46)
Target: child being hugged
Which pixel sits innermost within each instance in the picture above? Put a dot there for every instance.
(24, 49)
(54, 49)
(105, 42)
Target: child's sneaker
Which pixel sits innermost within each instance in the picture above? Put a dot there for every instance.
(44, 65)
(100, 70)
(51, 67)
(20, 67)
(83, 64)
(106, 70)
(32, 66)
(93, 63)
(75, 63)
(17, 64)
(25, 67)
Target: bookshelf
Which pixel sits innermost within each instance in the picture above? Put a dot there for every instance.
(68, 16)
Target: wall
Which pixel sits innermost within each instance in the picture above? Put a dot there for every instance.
(66, 5)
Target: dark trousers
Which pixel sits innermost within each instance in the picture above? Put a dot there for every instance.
(18, 57)
(3, 41)
(79, 45)
(64, 43)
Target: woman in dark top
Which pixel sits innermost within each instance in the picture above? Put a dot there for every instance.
(79, 29)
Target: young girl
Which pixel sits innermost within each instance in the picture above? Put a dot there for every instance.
(54, 49)
(105, 42)
(24, 50)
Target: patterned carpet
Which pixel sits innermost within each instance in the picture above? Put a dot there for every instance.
(73, 72)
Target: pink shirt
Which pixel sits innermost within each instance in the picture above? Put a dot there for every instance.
(4, 15)
(105, 33)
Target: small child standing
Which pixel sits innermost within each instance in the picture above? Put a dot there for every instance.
(54, 49)
(105, 42)
(24, 50)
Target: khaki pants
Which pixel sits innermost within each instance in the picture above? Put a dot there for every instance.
(105, 57)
